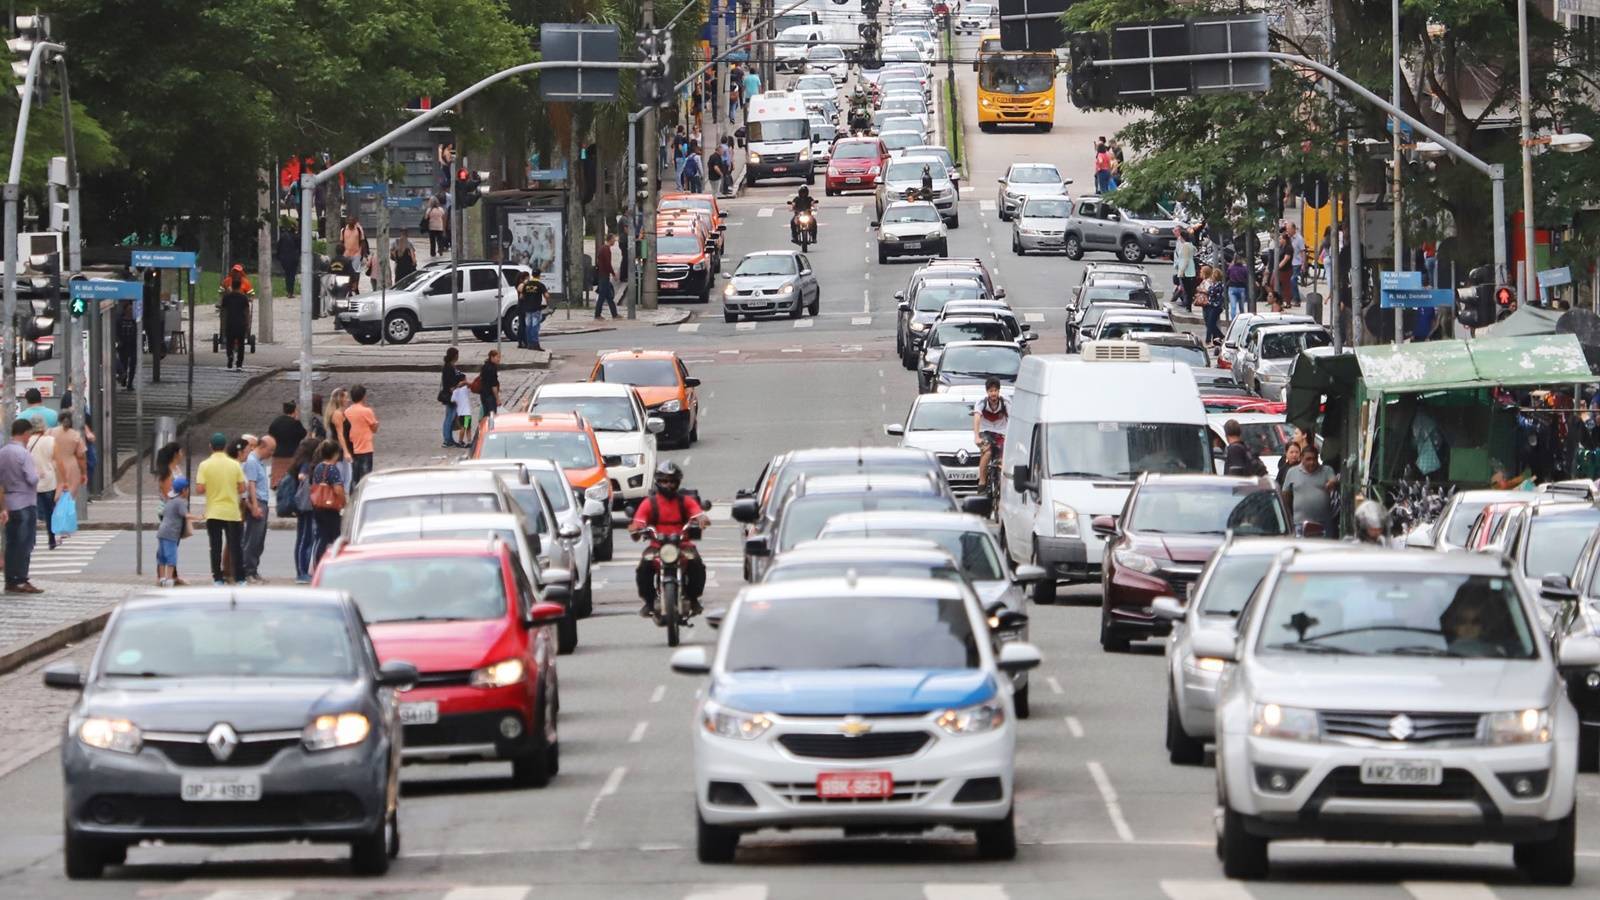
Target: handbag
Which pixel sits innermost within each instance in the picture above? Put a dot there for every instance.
(302, 494)
(444, 396)
(324, 494)
(476, 384)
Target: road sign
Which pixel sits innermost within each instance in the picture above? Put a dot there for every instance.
(361, 190)
(579, 44)
(163, 259)
(1148, 39)
(1230, 34)
(558, 174)
(105, 289)
(1401, 281)
(1417, 298)
(1032, 24)
(405, 202)
(1550, 278)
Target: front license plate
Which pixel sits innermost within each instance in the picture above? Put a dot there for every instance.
(419, 713)
(960, 475)
(850, 785)
(912, 245)
(215, 788)
(669, 284)
(852, 180)
(780, 168)
(1410, 772)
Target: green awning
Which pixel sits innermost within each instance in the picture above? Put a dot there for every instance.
(1484, 362)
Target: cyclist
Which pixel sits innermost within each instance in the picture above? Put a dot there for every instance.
(990, 415)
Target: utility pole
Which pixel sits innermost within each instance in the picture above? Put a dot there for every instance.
(455, 249)
(1335, 258)
(649, 288)
(1528, 291)
(721, 113)
(1394, 189)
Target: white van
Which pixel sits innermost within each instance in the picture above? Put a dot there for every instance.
(778, 137)
(1075, 444)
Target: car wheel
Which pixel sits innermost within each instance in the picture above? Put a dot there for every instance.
(1002, 211)
(567, 633)
(816, 305)
(1110, 641)
(369, 854)
(998, 840)
(714, 843)
(944, 249)
(828, 191)
(798, 308)
(1244, 856)
(532, 770)
(401, 327)
(811, 179)
(1044, 590)
(705, 295)
(955, 221)
(1021, 701)
(84, 858)
(1044, 127)
(485, 334)
(729, 317)
(1073, 247)
(1589, 748)
(1131, 251)
(986, 126)
(1182, 750)
(908, 360)
(1550, 862)
(1016, 245)
(367, 337)
(694, 431)
(511, 325)
(583, 601)
(604, 549)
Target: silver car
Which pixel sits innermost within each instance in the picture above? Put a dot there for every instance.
(770, 282)
(1024, 180)
(911, 228)
(947, 330)
(1450, 530)
(905, 174)
(1263, 363)
(1395, 696)
(1040, 225)
(942, 425)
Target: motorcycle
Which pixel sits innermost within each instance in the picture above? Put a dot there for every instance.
(803, 229)
(669, 552)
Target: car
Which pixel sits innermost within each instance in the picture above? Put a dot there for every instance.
(974, 17)
(994, 310)
(1169, 526)
(874, 557)
(1264, 362)
(1266, 434)
(942, 424)
(1181, 347)
(1449, 531)
(626, 433)
(565, 439)
(822, 137)
(663, 384)
(1099, 226)
(911, 228)
(962, 267)
(1040, 225)
(423, 491)
(829, 60)
(897, 121)
(1550, 539)
(482, 298)
(975, 362)
(1239, 331)
(710, 213)
(1107, 290)
(223, 715)
(855, 165)
(483, 638)
(917, 312)
(897, 142)
(792, 45)
(813, 88)
(1216, 379)
(685, 263)
(1455, 730)
(949, 330)
(1117, 323)
(902, 81)
(922, 737)
(1122, 275)
(1082, 329)
(1023, 180)
(772, 282)
(1576, 600)
(943, 155)
(1495, 528)
(909, 104)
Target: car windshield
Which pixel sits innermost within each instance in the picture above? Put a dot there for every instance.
(383, 509)
(932, 296)
(912, 170)
(1194, 508)
(911, 212)
(677, 245)
(1009, 73)
(1234, 577)
(824, 133)
(863, 568)
(814, 83)
(823, 632)
(1265, 438)
(825, 53)
(939, 153)
(899, 140)
(572, 449)
(1283, 345)
(527, 499)
(956, 332)
(1119, 293)
(699, 206)
(912, 126)
(1553, 543)
(254, 640)
(1035, 175)
(412, 280)
(964, 359)
(603, 413)
(1124, 450)
(422, 588)
(1184, 353)
(1047, 209)
(855, 150)
(1397, 614)
(641, 372)
(1466, 512)
(973, 550)
(556, 488)
(804, 517)
(1117, 328)
(905, 104)
(779, 130)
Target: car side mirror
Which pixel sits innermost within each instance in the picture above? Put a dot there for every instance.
(1168, 608)
(1019, 479)
(746, 510)
(999, 293)
(1026, 327)
(805, 271)
(545, 613)
(1580, 651)
(900, 295)
(715, 616)
(558, 594)
(534, 543)
(691, 661)
(1027, 337)
(757, 546)
(570, 532)
(1420, 538)
(1223, 645)
(593, 509)
(69, 677)
(721, 228)
(1557, 588)
(999, 181)
(977, 505)
(655, 425)
(1017, 657)
(691, 381)
(1028, 573)
(727, 275)
(1105, 526)
(894, 429)
(402, 676)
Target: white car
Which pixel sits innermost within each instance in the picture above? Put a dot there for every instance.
(1266, 434)
(911, 228)
(822, 137)
(1023, 180)
(829, 60)
(855, 703)
(974, 17)
(815, 88)
(626, 434)
(942, 425)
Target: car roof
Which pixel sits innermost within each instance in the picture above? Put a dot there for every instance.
(964, 318)
(418, 549)
(1035, 165)
(772, 253)
(866, 454)
(1179, 479)
(1169, 338)
(907, 157)
(430, 479)
(1245, 418)
(918, 203)
(583, 389)
(636, 353)
(1352, 558)
(1487, 495)
(935, 521)
(423, 524)
(1009, 345)
(543, 421)
(218, 596)
(1264, 545)
(811, 588)
(504, 466)
(875, 484)
(1563, 507)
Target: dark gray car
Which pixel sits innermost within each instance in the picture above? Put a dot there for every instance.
(232, 716)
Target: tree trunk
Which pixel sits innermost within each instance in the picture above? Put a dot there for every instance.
(574, 277)
(264, 226)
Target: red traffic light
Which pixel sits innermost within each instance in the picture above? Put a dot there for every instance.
(1505, 296)
(463, 175)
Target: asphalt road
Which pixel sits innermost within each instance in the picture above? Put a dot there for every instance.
(1100, 812)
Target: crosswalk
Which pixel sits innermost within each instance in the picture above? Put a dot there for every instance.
(71, 556)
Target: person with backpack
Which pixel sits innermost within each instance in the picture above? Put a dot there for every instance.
(1237, 457)
(689, 180)
(668, 511)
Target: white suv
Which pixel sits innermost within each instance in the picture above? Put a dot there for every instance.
(486, 299)
(626, 434)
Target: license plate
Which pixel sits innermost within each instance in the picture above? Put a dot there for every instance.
(780, 168)
(419, 713)
(912, 245)
(852, 180)
(669, 284)
(960, 475)
(847, 785)
(215, 788)
(1412, 772)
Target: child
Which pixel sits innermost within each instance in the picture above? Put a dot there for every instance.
(461, 398)
(174, 525)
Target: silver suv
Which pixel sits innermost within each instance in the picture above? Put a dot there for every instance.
(486, 299)
(1395, 696)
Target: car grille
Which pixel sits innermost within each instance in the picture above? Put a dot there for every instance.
(248, 753)
(780, 157)
(866, 746)
(671, 271)
(272, 810)
(1427, 727)
(955, 461)
(445, 678)
(806, 792)
(1181, 588)
(1344, 783)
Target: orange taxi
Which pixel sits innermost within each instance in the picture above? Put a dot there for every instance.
(710, 212)
(663, 383)
(565, 438)
(684, 260)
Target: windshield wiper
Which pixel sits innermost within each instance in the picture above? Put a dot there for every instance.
(423, 618)
(869, 666)
(138, 675)
(1419, 650)
(1071, 474)
(1304, 647)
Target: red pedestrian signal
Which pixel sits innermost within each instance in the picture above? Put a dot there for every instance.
(1505, 295)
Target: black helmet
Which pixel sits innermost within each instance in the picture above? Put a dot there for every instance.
(804, 191)
(669, 477)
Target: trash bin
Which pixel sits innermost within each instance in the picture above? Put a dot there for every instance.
(166, 431)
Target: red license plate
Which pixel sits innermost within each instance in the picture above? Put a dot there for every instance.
(669, 284)
(848, 785)
(780, 168)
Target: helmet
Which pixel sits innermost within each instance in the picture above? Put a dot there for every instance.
(669, 477)
(1370, 516)
(804, 191)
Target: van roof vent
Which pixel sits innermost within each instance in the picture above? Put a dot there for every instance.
(1116, 351)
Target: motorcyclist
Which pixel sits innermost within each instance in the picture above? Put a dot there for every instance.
(668, 511)
(927, 184)
(860, 111)
(802, 202)
(990, 416)
(1372, 522)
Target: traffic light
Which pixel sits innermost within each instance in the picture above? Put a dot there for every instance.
(1475, 305)
(869, 8)
(641, 182)
(1505, 297)
(470, 187)
(1091, 87)
(30, 30)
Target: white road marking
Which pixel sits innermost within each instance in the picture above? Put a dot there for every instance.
(658, 693)
(248, 894)
(1447, 890)
(986, 205)
(745, 326)
(764, 212)
(1033, 317)
(853, 209)
(1055, 686)
(686, 458)
(1204, 889)
(690, 328)
(880, 373)
(866, 302)
(638, 732)
(733, 352)
(727, 892)
(964, 892)
(1108, 794)
(505, 892)
(860, 320)
(794, 350)
(613, 781)
(804, 323)
(1074, 726)
(849, 348)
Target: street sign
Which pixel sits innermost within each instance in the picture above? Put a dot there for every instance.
(1405, 129)
(1149, 39)
(1417, 298)
(163, 259)
(361, 190)
(405, 202)
(105, 289)
(1550, 278)
(579, 44)
(559, 174)
(1401, 281)
(1032, 24)
(1230, 34)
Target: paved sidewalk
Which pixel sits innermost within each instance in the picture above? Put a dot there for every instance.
(32, 625)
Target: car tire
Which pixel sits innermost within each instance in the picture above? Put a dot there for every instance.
(1022, 701)
(367, 338)
(828, 191)
(370, 854)
(511, 325)
(1588, 748)
(532, 770)
(583, 601)
(83, 858)
(567, 633)
(1073, 247)
(798, 308)
(1044, 127)
(400, 327)
(1002, 212)
(705, 295)
(694, 432)
(485, 334)
(604, 550)
(1182, 750)
(1550, 862)
(816, 305)
(729, 317)
(955, 222)
(1044, 590)
(998, 840)
(811, 179)
(1244, 855)
(986, 126)
(908, 361)
(944, 250)
(1016, 246)
(714, 844)
(1110, 640)
(1132, 253)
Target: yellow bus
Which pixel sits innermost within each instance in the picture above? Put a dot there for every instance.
(1014, 87)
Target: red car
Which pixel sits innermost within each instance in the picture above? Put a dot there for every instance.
(855, 166)
(483, 641)
(1239, 403)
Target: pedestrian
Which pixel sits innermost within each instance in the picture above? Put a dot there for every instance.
(287, 433)
(438, 239)
(1283, 274)
(489, 384)
(257, 506)
(35, 409)
(403, 255)
(689, 178)
(532, 297)
(42, 447)
(1102, 166)
(154, 322)
(169, 465)
(715, 170)
(1238, 287)
(605, 273)
(1236, 457)
(752, 86)
(127, 344)
(449, 374)
(1297, 261)
(1210, 296)
(220, 479)
(1183, 269)
(339, 426)
(726, 150)
(353, 246)
(680, 153)
(328, 494)
(72, 457)
(305, 523)
(234, 307)
(461, 403)
(1310, 486)
(363, 428)
(319, 426)
(1289, 461)
(175, 526)
(288, 253)
(19, 507)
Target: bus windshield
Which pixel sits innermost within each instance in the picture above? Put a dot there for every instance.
(1015, 73)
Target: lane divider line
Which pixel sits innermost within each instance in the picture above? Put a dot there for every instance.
(1108, 795)
(1074, 726)
(1055, 686)
(638, 732)
(658, 693)
(1204, 889)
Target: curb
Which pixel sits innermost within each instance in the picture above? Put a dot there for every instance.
(46, 644)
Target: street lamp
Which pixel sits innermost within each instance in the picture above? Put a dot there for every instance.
(1570, 142)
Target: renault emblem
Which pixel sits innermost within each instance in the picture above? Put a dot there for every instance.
(1401, 727)
(222, 740)
(962, 456)
(855, 726)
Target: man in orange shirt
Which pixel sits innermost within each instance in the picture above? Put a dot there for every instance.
(363, 423)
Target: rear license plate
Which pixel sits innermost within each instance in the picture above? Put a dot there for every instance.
(852, 180)
(1411, 772)
(669, 284)
(912, 245)
(219, 788)
(419, 713)
(780, 168)
(851, 785)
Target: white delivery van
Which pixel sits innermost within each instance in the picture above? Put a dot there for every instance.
(778, 137)
(1076, 442)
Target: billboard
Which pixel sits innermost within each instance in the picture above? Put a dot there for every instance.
(533, 237)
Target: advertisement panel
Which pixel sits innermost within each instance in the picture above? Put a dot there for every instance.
(533, 237)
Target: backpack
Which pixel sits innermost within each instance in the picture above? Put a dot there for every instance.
(655, 510)
(288, 487)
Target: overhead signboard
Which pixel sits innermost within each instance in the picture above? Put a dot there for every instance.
(1148, 81)
(1032, 24)
(1230, 34)
(579, 44)
(162, 259)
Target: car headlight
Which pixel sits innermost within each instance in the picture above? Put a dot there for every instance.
(1029, 232)
(726, 722)
(629, 460)
(753, 157)
(699, 266)
(1132, 559)
(1526, 726)
(500, 674)
(1273, 377)
(874, 170)
(1066, 521)
(1287, 722)
(919, 327)
(979, 719)
(111, 734)
(1206, 663)
(1152, 231)
(787, 289)
(600, 490)
(671, 406)
(342, 730)
(805, 153)
(728, 291)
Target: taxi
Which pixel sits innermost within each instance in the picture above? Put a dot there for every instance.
(681, 217)
(685, 268)
(664, 384)
(710, 212)
(565, 438)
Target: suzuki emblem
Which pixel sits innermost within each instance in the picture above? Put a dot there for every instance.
(855, 726)
(1401, 727)
(222, 740)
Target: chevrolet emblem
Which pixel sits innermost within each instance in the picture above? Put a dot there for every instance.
(854, 726)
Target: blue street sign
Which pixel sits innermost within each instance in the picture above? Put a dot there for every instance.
(1405, 128)
(163, 259)
(105, 289)
(1409, 281)
(1550, 278)
(1417, 298)
(405, 202)
(547, 174)
(364, 189)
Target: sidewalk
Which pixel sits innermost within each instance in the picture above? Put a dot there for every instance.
(32, 625)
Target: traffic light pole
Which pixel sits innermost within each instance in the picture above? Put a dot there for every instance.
(649, 287)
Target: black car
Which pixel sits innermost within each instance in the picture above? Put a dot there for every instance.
(219, 716)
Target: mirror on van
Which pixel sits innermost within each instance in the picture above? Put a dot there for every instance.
(1019, 479)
